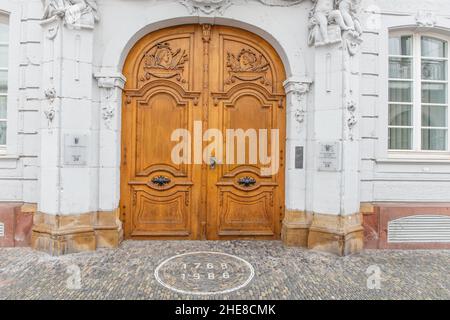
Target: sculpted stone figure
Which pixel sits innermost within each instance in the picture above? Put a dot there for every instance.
(54, 8)
(349, 11)
(328, 18)
(73, 11)
(323, 13)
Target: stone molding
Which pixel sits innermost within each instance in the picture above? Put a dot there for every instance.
(110, 81)
(426, 19)
(59, 235)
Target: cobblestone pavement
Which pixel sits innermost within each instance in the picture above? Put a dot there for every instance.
(280, 273)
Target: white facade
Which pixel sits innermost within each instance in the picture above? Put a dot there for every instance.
(83, 66)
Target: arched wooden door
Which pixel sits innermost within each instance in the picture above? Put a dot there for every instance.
(195, 78)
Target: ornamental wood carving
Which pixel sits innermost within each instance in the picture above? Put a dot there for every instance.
(163, 62)
(224, 78)
(247, 65)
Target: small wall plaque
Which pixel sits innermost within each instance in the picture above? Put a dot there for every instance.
(2, 229)
(299, 156)
(75, 149)
(329, 156)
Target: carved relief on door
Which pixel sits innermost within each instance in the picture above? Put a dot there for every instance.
(224, 78)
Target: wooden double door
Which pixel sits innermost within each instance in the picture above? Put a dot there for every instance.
(177, 182)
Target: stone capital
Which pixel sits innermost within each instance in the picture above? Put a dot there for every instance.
(110, 80)
(297, 85)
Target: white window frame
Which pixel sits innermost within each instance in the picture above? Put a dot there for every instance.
(12, 9)
(3, 147)
(417, 151)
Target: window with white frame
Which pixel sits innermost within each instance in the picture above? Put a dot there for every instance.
(4, 40)
(418, 93)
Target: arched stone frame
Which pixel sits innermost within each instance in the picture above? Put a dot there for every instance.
(111, 82)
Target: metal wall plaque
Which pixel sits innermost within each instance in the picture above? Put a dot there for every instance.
(75, 149)
(329, 156)
(299, 157)
(2, 229)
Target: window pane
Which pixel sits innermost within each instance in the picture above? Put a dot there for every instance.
(400, 68)
(400, 91)
(432, 47)
(2, 132)
(3, 107)
(400, 46)
(4, 33)
(434, 116)
(400, 115)
(434, 70)
(400, 138)
(434, 139)
(3, 81)
(434, 93)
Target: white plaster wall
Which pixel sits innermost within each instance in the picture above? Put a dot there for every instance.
(123, 22)
(19, 169)
(413, 178)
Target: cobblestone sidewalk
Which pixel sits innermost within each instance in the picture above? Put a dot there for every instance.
(280, 273)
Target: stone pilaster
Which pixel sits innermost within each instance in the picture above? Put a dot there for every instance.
(336, 225)
(296, 222)
(111, 86)
(69, 217)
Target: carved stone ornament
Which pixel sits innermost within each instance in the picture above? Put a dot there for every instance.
(108, 113)
(299, 90)
(73, 12)
(206, 6)
(247, 65)
(351, 120)
(328, 19)
(50, 95)
(163, 62)
(50, 113)
(108, 83)
(426, 19)
(219, 6)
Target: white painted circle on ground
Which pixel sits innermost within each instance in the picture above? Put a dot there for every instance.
(204, 273)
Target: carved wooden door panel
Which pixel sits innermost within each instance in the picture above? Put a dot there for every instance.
(222, 78)
(159, 198)
(246, 85)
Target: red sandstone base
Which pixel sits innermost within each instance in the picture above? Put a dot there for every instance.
(377, 216)
(17, 219)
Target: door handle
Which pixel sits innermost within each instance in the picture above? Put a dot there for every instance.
(213, 163)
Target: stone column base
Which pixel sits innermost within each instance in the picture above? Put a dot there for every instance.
(341, 235)
(295, 229)
(59, 235)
